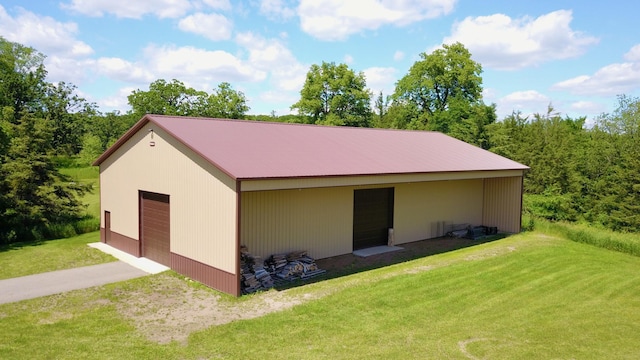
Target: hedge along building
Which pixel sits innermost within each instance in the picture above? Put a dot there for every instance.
(187, 192)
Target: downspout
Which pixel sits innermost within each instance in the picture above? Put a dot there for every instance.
(237, 291)
(521, 197)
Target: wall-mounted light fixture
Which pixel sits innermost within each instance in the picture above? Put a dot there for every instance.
(152, 143)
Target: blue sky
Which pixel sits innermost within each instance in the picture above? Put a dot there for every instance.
(575, 55)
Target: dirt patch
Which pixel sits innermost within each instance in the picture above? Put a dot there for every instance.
(170, 309)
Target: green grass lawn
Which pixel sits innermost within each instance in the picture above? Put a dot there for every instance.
(87, 175)
(529, 296)
(33, 258)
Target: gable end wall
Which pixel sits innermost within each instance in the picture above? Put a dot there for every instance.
(203, 199)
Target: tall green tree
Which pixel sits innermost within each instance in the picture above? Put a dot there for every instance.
(380, 112)
(33, 194)
(443, 92)
(175, 98)
(225, 102)
(68, 114)
(167, 98)
(335, 95)
(613, 165)
(22, 77)
(109, 127)
(440, 77)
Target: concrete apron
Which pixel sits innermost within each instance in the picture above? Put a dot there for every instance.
(55, 282)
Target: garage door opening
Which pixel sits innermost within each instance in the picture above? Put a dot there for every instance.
(372, 217)
(154, 227)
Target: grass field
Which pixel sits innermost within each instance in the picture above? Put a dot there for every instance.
(33, 258)
(529, 296)
(87, 175)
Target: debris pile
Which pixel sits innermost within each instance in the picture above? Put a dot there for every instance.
(254, 276)
(473, 232)
(259, 275)
(292, 266)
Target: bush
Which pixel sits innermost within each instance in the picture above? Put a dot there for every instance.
(59, 230)
(86, 225)
(550, 207)
(528, 223)
(628, 243)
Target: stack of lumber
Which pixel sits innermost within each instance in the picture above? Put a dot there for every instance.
(254, 276)
(292, 266)
(276, 262)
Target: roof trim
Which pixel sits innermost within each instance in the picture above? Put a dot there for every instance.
(134, 129)
(152, 118)
(148, 118)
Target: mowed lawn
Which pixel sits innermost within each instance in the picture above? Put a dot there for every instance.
(530, 296)
(33, 258)
(87, 175)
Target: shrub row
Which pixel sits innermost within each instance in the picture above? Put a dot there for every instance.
(628, 243)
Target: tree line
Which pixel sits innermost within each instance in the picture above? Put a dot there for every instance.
(578, 173)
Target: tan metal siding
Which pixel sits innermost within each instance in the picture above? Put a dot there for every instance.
(203, 199)
(316, 182)
(316, 220)
(503, 203)
(321, 220)
(423, 208)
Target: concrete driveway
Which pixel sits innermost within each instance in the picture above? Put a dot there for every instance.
(55, 282)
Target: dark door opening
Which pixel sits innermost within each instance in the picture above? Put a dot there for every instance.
(154, 227)
(107, 227)
(372, 217)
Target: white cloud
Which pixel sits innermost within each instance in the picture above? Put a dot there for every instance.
(337, 19)
(67, 69)
(199, 68)
(271, 55)
(380, 79)
(67, 57)
(398, 55)
(217, 4)
(197, 65)
(348, 59)
(610, 80)
(134, 9)
(588, 107)
(528, 102)
(122, 70)
(43, 33)
(500, 42)
(117, 101)
(277, 101)
(276, 9)
(633, 55)
(212, 26)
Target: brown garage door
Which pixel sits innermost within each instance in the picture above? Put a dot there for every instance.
(372, 217)
(154, 227)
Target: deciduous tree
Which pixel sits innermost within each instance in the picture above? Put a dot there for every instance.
(167, 98)
(225, 102)
(174, 98)
(335, 95)
(33, 193)
(443, 92)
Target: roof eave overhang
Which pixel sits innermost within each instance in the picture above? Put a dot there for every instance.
(123, 139)
(300, 182)
(139, 125)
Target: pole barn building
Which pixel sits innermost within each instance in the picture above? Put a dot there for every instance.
(187, 192)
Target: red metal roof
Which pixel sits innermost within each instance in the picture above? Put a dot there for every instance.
(258, 150)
